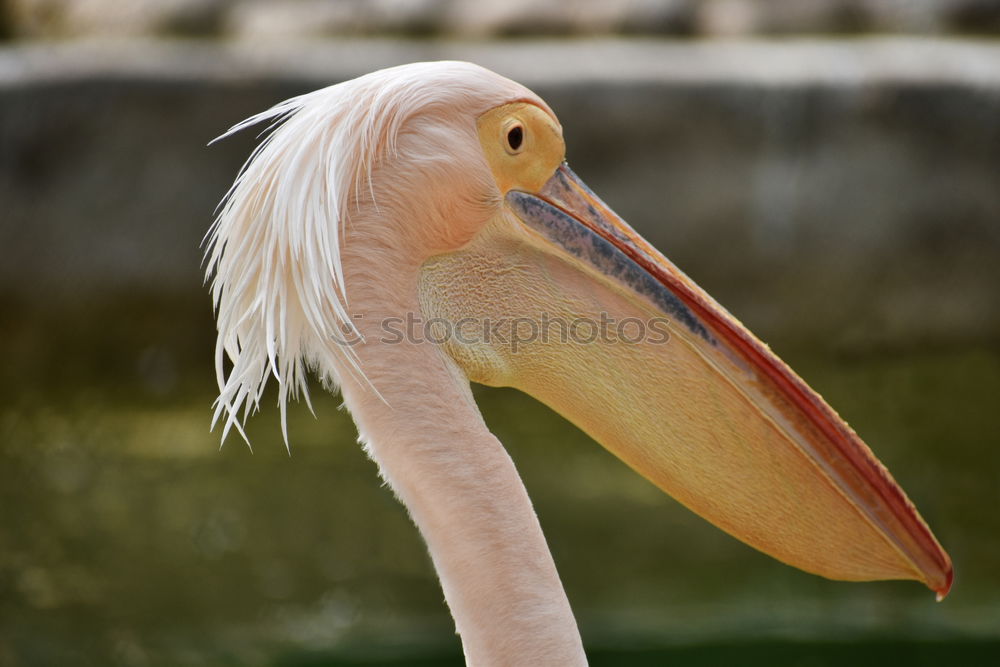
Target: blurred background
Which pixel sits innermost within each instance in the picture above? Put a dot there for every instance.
(829, 170)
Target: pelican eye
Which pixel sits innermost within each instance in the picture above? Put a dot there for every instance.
(515, 139)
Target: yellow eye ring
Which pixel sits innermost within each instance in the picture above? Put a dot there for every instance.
(522, 144)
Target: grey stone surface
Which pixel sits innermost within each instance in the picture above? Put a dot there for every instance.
(59, 19)
(805, 184)
(270, 19)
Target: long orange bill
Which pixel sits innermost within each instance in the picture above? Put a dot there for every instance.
(715, 418)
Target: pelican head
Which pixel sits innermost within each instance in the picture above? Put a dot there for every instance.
(417, 229)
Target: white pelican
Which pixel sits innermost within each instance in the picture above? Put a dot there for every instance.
(440, 190)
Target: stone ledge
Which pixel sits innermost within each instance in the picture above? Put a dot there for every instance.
(555, 62)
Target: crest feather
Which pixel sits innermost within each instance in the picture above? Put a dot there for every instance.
(274, 250)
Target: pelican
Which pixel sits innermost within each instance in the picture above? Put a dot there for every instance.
(439, 193)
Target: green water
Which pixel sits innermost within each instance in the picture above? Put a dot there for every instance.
(129, 538)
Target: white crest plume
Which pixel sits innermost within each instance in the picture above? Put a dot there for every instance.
(274, 250)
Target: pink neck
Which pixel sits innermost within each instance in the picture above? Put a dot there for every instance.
(459, 485)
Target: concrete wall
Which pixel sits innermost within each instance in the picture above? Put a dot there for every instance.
(297, 19)
(838, 191)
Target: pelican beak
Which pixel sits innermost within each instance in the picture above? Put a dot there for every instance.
(697, 404)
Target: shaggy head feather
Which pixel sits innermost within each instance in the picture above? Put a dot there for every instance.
(274, 250)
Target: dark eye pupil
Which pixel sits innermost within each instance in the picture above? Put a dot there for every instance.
(514, 137)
